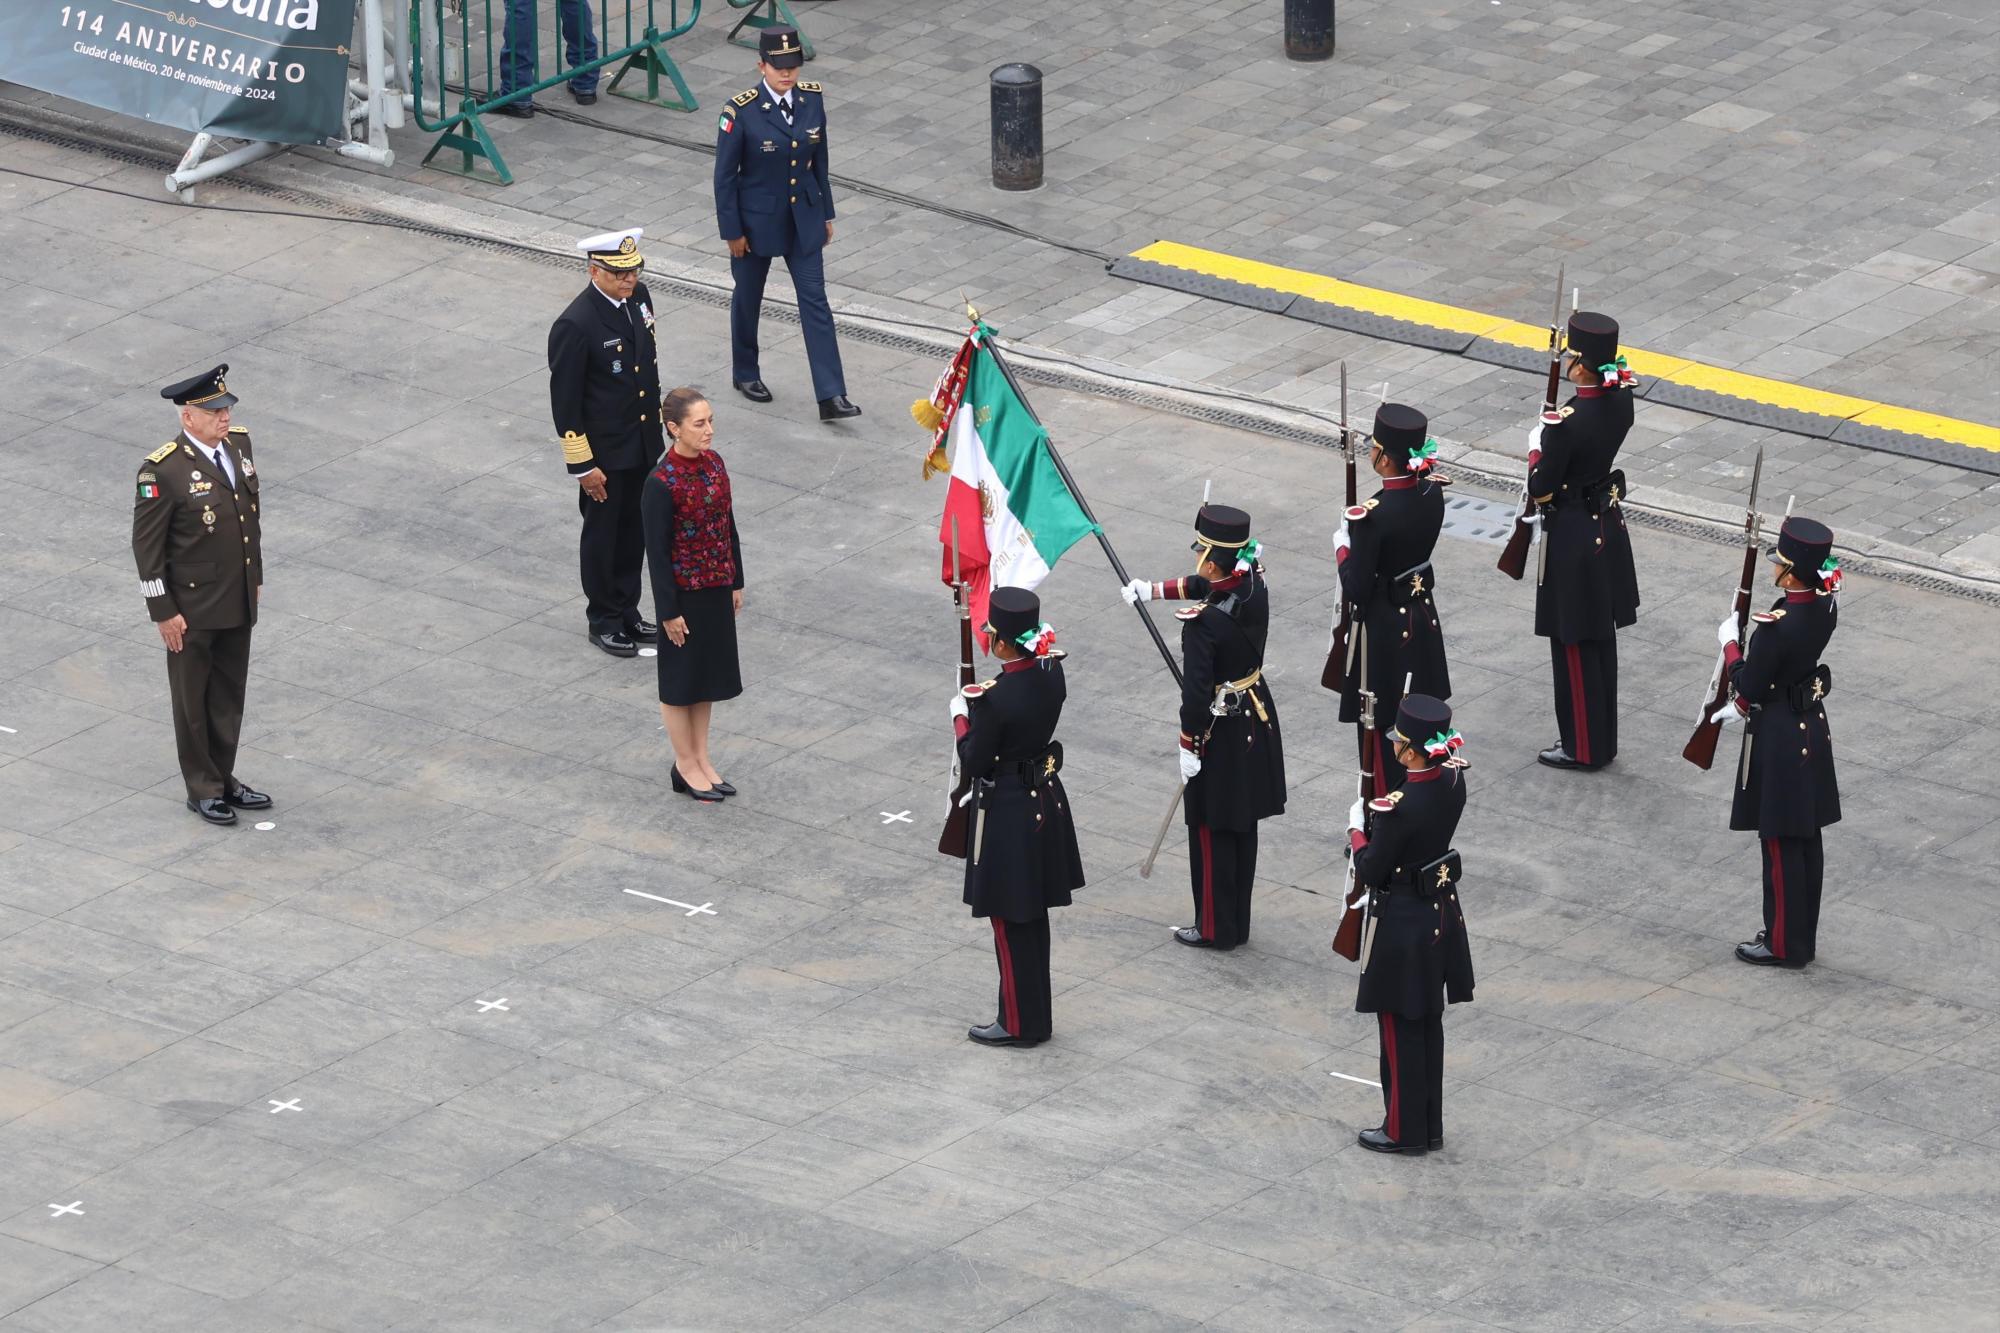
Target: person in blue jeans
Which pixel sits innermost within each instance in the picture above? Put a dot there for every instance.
(517, 53)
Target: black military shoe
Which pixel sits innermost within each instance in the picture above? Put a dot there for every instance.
(1433, 1143)
(244, 798)
(836, 408)
(1376, 1140)
(213, 808)
(1191, 936)
(644, 631)
(754, 390)
(995, 1035)
(1557, 757)
(1758, 954)
(584, 99)
(615, 643)
(518, 110)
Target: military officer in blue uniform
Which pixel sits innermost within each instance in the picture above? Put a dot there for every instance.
(772, 198)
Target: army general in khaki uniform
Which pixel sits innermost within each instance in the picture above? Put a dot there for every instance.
(201, 570)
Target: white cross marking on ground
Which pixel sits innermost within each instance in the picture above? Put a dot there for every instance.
(277, 1106)
(61, 1208)
(902, 818)
(707, 909)
(500, 1004)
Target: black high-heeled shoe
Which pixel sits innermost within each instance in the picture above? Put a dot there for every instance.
(724, 788)
(698, 793)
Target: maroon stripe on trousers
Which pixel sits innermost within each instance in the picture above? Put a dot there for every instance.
(1395, 1117)
(1207, 885)
(1579, 714)
(1010, 1000)
(1777, 941)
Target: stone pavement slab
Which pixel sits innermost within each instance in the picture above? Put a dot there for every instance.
(413, 1059)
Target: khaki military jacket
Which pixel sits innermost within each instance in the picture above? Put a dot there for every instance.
(195, 538)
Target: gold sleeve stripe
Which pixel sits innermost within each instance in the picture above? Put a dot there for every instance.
(576, 448)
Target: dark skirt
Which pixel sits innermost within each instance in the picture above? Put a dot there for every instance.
(704, 670)
(1418, 958)
(1027, 860)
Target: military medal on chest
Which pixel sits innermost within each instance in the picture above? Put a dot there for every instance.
(208, 516)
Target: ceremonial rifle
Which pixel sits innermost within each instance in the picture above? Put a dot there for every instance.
(1700, 749)
(952, 841)
(1514, 556)
(1334, 675)
(1347, 937)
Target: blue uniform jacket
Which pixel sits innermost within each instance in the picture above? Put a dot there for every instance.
(770, 177)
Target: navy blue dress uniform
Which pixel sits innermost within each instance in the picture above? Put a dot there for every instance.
(1586, 587)
(1022, 857)
(1384, 553)
(1232, 755)
(1414, 954)
(772, 190)
(197, 538)
(1786, 789)
(604, 393)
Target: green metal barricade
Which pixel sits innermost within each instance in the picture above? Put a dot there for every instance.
(498, 63)
(766, 14)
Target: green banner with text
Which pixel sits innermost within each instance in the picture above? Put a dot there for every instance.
(274, 70)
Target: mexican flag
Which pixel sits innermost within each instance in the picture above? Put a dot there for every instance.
(1015, 515)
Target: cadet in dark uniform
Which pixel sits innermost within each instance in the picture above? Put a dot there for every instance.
(196, 536)
(1414, 954)
(1022, 858)
(1383, 548)
(1586, 589)
(772, 198)
(1780, 687)
(1231, 755)
(604, 391)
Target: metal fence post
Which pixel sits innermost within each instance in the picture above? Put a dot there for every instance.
(1308, 29)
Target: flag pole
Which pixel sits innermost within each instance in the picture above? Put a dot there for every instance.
(1062, 468)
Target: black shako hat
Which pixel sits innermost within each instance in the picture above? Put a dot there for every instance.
(1012, 612)
(1400, 429)
(1593, 338)
(778, 46)
(1220, 527)
(1803, 546)
(205, 391)
(1418, 718)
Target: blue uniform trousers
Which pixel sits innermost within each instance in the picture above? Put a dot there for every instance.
(815, 318)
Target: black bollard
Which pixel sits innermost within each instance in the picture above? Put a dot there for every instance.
(1308, 29)
(1017, 127)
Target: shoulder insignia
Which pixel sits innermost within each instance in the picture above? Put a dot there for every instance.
(1567, 409)
(1768, 617)
(1382, 805)
(161, 454)
(975, 690)
(1190, 612)
(1057, 654)
(745, 98)
(1440, 479)
(809, 86)
(1458, 761)
(239, 430)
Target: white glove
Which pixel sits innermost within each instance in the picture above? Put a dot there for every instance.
(959, 708)
(1729, 714)
(1190, 765)
(1342, 540)
(1535, 436)
(1137, 591)
(1356, 818)
(1725, 633)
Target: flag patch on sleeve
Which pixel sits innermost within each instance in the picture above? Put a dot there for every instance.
(149, 490)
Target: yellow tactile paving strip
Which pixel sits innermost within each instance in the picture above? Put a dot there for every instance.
(1655, 365)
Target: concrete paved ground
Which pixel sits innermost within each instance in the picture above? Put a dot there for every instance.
(414, 1059)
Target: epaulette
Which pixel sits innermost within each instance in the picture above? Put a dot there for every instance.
(806, 86)
(1440, 479)
(1382, 805)
(1190, 612)
(1566, 409)
(161, 454)
(745, 98)
(973, 691)
(1057, 654)
(239, 430)
(1360, 511)
(1768, 617)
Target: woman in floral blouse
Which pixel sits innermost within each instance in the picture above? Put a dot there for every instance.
(696, 564)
